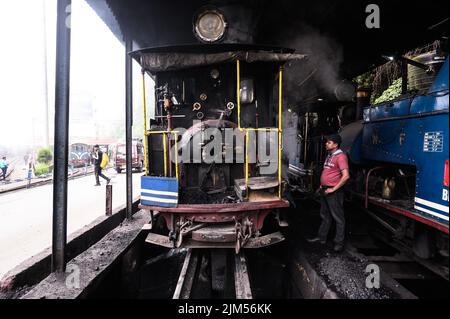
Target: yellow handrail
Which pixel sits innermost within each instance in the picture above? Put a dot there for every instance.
(145, 124)
(268, 129)
(176, 155)
(161, 132)
(238, 93)
(280, 129)
(164, 134)
(246, 162)
(165, 153)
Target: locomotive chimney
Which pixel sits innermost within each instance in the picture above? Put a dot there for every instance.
(362, 100)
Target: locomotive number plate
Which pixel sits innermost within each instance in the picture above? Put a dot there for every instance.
(433, 142)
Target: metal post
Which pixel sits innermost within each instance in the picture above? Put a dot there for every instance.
(46, 124)
(129, 125)
(109, 194)
(62, 89)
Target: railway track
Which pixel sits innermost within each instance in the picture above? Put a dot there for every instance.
(411, 276)
(220, 282)
(368, 243)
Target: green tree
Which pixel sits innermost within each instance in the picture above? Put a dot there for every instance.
(45, 155)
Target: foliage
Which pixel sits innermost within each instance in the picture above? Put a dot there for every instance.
(392, 92)
(364, 80)
(41, 169)
(45, 156)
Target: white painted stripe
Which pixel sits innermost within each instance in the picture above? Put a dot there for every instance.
(150, 191)
(421, 201)
(160, 200)
(431, 212)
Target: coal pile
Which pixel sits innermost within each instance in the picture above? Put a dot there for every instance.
(347, 276)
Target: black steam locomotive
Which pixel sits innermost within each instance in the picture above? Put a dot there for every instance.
(214, 149)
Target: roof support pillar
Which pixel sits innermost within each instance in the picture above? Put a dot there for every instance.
(129, 125)
(61, 141)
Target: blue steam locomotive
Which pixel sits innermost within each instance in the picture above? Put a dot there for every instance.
(399, 153)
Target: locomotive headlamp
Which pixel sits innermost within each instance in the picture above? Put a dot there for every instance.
(210, 26)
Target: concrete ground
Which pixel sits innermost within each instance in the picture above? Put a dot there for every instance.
(26, 215)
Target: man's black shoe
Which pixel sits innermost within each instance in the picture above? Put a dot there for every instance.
(97, 185)
(316, 240)
(339, 248)
(109, 181)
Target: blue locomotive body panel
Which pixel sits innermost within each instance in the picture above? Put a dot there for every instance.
(414, 131)
(159, 191)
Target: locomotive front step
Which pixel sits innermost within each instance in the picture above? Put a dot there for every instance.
(260, 189)
(221, 233)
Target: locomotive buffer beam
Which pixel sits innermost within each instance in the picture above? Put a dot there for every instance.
(257, 242)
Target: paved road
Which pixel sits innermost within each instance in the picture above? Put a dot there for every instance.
(26, 215)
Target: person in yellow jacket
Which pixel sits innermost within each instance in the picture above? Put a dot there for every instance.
(98, 161)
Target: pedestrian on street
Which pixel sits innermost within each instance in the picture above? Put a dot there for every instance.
(3, 167)
(98, 156)
(334, 176)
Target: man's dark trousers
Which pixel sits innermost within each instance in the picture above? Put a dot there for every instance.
(98, 174)
(332, 207)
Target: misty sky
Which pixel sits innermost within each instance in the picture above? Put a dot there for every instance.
(97, 71)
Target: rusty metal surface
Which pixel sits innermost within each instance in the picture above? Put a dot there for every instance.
(219, 208)
(216, 233)
(252, 243)
(159, 240)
